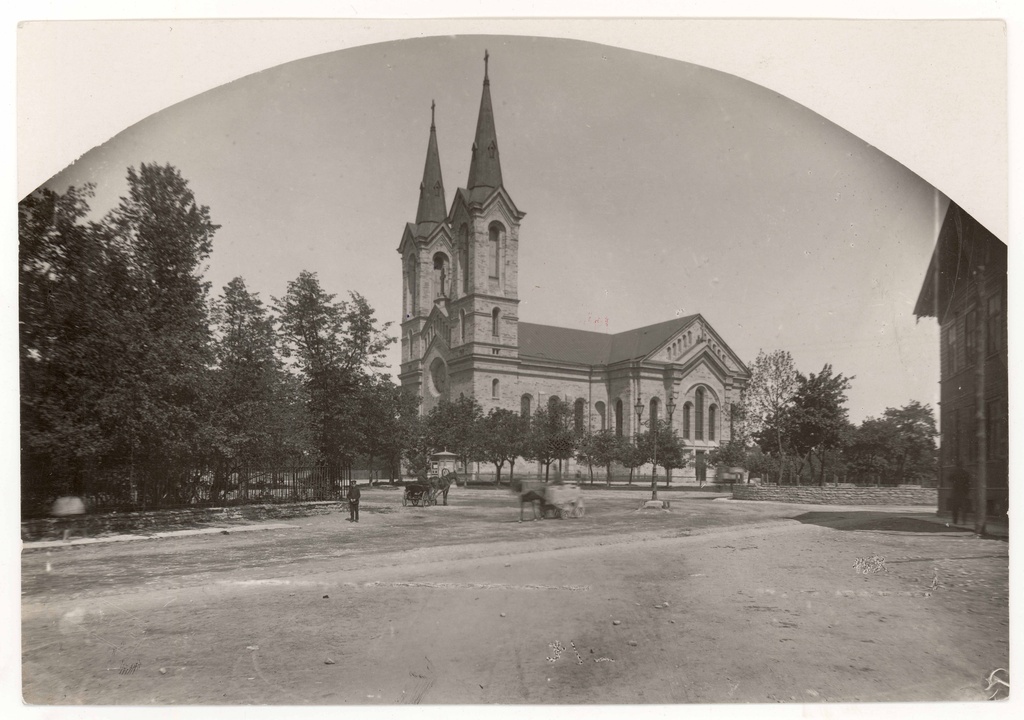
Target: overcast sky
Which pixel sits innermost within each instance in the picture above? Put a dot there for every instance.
(652, 188)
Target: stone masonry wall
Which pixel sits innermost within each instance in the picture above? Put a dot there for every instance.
(899, 495)
(50, 528)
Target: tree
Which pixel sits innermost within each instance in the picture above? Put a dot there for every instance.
(162, 392)
(455, 425)
(632, 457)
(606, 448)
(502, 438)
(550, 436)
(870, 450)
(416, 452)
(768, 400)
(899, 446)
(819, 416)
(586, 452)
(670, 453)
(383, 421)
(335, 346)
(732, 454)
(914, 448)
(72, 298)
(253, 419)
(115, 335)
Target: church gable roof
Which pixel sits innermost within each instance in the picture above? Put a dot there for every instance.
(428, 232)
(641, 342)
(484, 197)
(581, 347)
(586, 347)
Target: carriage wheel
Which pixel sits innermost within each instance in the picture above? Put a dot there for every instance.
(566, 513)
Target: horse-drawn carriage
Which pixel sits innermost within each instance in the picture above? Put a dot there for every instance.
(419, 494)
(426, 491)
(558, 500)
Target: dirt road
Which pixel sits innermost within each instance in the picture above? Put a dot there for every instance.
(711, 602)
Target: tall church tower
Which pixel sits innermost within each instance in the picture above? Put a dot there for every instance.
(461, 275)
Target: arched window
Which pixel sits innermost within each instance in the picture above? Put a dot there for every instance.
(462, 325)
(524, 406)
(464, 257)
(577, 415)
(599, 408)
(495, 235)
(618, 418)
(654, 412)
(442, 275)
(552, 402)
(411, 288)
(494, 388)
(494, 321)
(712, 419)
(699, 397)
(687, 410)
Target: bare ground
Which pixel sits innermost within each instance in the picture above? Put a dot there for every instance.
(759, 602)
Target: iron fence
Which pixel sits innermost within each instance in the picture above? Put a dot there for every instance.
(161, 486)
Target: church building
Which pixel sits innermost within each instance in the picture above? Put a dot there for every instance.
(461, 333)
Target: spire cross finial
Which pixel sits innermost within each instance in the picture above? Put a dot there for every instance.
(431, 114)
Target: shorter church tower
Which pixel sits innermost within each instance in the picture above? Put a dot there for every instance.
(426, 252)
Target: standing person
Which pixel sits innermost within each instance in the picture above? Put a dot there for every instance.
(353, 502)
(960, 494)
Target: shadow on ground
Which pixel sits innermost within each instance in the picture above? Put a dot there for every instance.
(865, 520)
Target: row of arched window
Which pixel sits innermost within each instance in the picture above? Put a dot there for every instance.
(681, 345)
(692, 420)
(443, 284)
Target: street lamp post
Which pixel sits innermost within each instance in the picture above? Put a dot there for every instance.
(639, 408)
(670, 406)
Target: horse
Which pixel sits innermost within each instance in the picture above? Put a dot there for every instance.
(441, 485)
(529, 492)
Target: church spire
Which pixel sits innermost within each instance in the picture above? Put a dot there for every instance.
(485, 167)
(432, 207)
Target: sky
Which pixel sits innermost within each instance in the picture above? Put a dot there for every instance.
(653, 188)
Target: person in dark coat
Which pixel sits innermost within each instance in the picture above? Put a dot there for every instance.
(353, 502)
(960, 494)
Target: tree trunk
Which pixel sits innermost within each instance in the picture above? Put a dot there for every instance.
(497, 468)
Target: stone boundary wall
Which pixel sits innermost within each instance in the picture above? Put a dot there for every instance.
(163, 520)
(816, 495)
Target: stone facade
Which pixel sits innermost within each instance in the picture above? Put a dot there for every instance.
(816, 495)
(49, 528)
